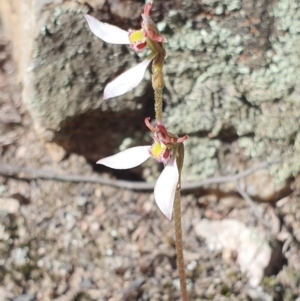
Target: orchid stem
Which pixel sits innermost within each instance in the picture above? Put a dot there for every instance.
(179, 246)
(158, 83)
(158, 104)
(177, 226)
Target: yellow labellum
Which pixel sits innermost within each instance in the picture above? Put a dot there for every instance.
(157, 150)
(136, 36)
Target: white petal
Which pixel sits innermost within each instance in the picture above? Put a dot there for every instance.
(128, 158)
(127, 80)
(106, 32)
(165, 188)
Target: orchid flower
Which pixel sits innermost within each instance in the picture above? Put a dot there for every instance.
(147, 36)
(164, 150)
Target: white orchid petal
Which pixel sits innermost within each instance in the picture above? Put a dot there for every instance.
(106, 32)
(128, 158)
(165, 188)
(127, 80)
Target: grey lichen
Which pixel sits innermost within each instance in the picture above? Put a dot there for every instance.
(231, 76)
(251, 89)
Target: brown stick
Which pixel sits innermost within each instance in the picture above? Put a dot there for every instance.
(26, 173)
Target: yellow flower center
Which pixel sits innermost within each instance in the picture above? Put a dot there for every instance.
(137, 36)
(157, 150)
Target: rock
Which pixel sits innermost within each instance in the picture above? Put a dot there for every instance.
(9, 205)
(9, 115)
(261, 186)
(81, 200)
(228, 81)
(234, 239)
(5, 294)
(56, 152)
(70, 221)
(20, 256)
(25, 297)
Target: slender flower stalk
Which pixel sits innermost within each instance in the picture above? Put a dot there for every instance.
(178, 228)
(167, 148)
(179, 246)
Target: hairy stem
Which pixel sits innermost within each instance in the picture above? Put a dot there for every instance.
(158, 83)
(178, 230)
(179, 246)
(158, 104)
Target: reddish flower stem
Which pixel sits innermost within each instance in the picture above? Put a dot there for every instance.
(179, 247)
(177, 226)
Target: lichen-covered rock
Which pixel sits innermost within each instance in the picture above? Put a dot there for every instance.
(234, 77)
(231, 77)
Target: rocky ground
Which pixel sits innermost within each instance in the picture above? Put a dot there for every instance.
(85, 241)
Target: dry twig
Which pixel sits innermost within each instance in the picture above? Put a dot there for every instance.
(26, 173)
